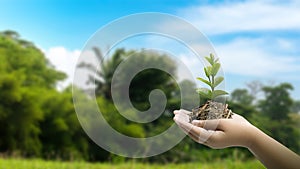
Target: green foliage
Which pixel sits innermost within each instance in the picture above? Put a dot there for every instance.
(149, 79)
(36, 120)
(278, 102)
(66, 139)
(103, 77)
(186, 95)
(217, 81)
(28, 62)
(141, 85)
(213, 81)
(242, 96)
(19, 114)
(204, 92)
(117, 121)
(24, 74)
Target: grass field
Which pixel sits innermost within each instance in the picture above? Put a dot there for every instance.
(40, 164)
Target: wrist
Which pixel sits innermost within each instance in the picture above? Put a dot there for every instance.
(253, 134)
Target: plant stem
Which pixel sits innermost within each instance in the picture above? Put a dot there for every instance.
(212, 83)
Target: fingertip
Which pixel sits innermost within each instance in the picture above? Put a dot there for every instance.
(176, 111)
(175, 118)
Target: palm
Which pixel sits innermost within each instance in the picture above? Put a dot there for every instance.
(102, 78)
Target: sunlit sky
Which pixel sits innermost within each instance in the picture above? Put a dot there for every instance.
(255, 39)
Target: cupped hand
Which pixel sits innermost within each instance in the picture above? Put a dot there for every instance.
(219, 133)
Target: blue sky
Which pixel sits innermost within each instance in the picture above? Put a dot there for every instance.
(70, 23)
(255, 40)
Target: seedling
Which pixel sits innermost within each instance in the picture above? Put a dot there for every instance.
(213, 80)
(211, 109)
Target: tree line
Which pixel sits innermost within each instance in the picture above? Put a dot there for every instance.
(37, 120)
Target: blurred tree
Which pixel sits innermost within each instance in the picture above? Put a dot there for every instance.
(25, 74)
(61, 133)
(27, 61)
(255, 88)
(241, 96)
(277, 103)
(10, 34)
(19, 116)
(186, 95)
(149, 79)
(142, 84)
(102, 78)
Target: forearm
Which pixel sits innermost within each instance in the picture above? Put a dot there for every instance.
(271, 153)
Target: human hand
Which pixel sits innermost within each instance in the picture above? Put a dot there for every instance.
(238, 131)
(219, 133)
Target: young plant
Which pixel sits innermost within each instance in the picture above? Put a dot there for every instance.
(213, 81)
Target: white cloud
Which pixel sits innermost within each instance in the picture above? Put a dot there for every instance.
(249, 57)
(243, 56)
(244, 16)
(64, 60)
(287, 45)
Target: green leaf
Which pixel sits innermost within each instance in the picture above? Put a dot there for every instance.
(213, 57)
(210, 60)
(204, 81)
(218, 80)
(217, 93)
(206, 72)
(204, 92)
(215, 68)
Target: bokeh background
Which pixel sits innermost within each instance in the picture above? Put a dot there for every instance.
(40, 42)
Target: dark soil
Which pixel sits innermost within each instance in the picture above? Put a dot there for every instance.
(211, 110)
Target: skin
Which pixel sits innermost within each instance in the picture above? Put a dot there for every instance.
(239, 132)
